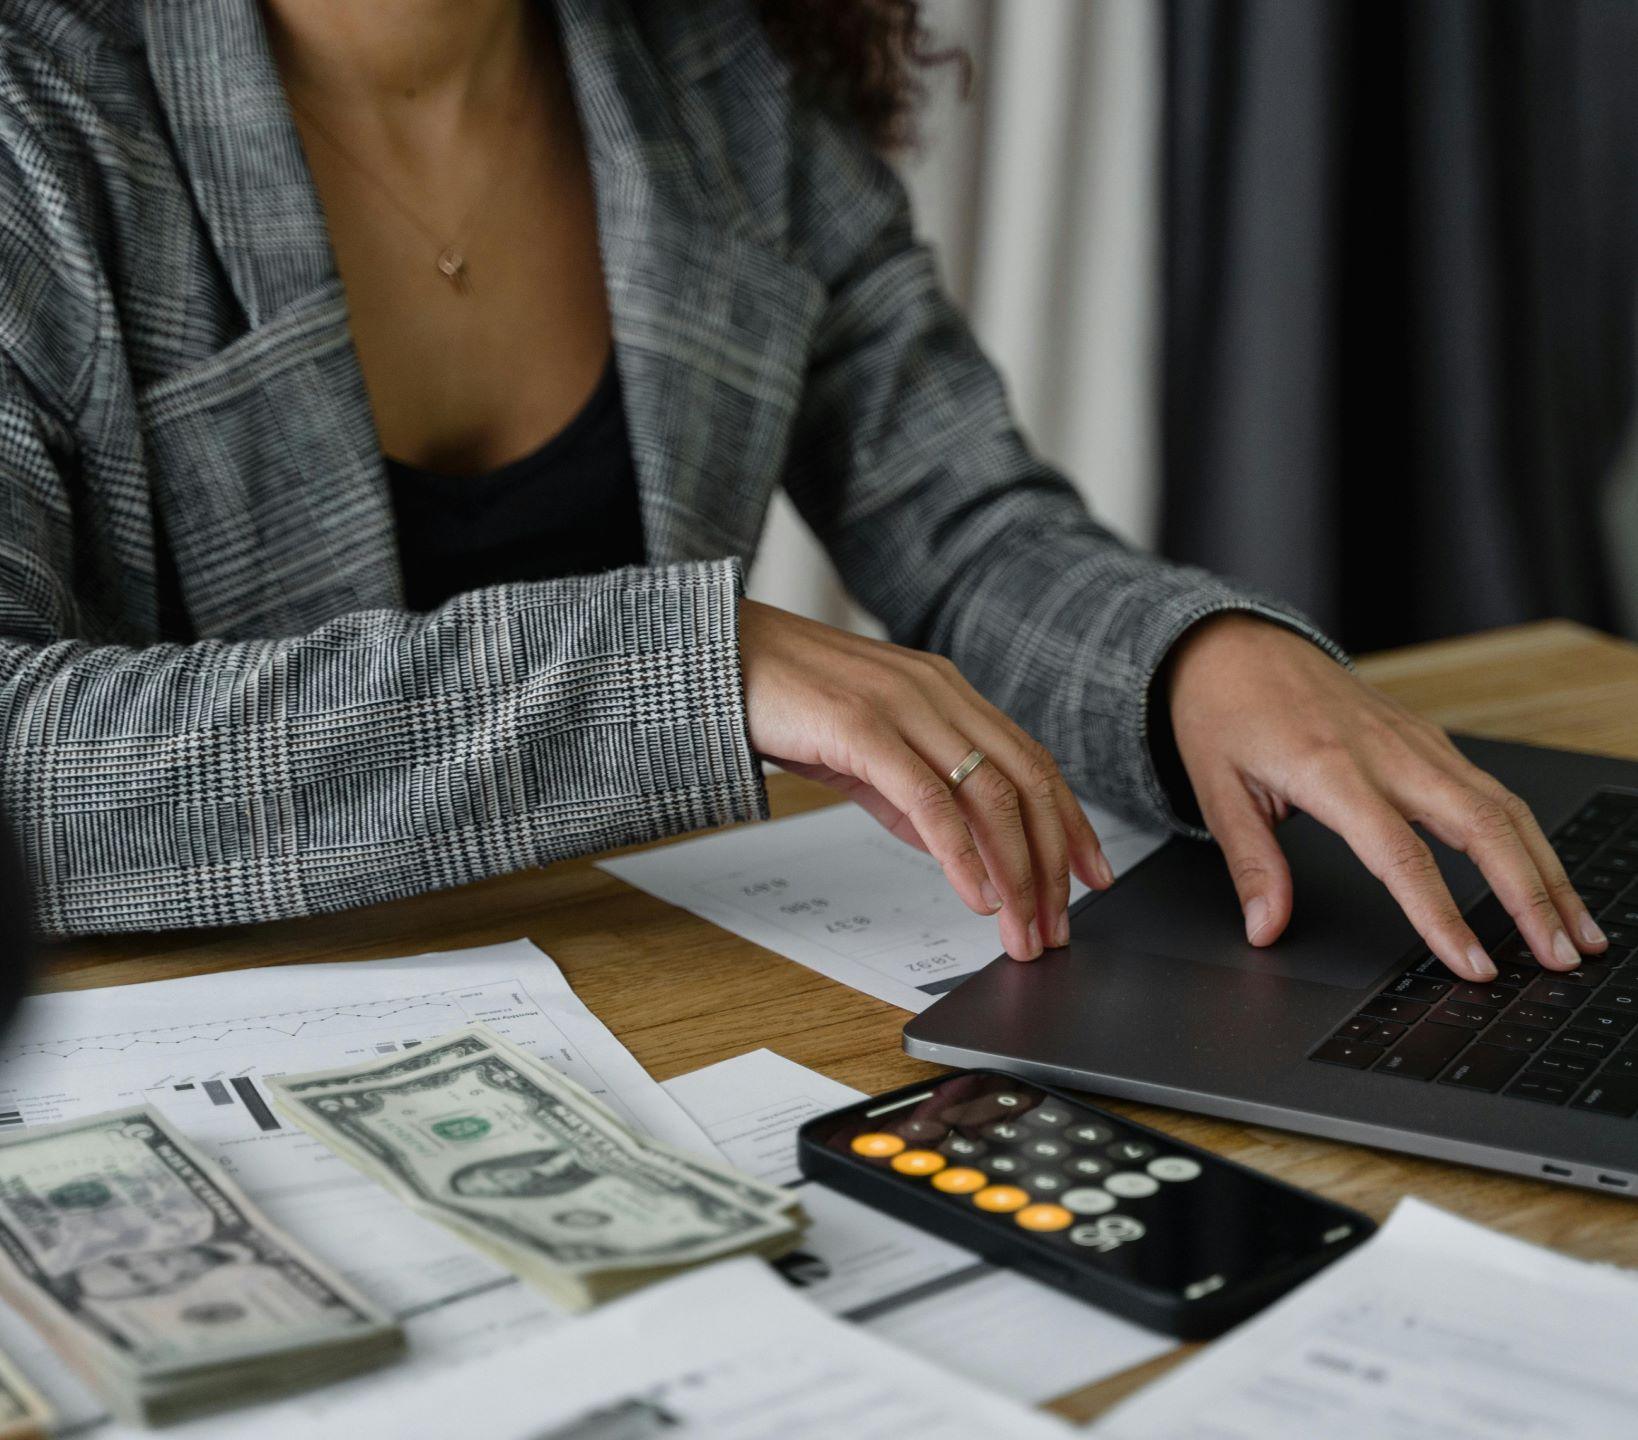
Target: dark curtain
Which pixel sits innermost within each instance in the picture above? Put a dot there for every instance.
(1399, 293)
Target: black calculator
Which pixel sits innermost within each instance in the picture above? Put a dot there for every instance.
(1112, 1212)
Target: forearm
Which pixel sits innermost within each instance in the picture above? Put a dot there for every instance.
(383, 754)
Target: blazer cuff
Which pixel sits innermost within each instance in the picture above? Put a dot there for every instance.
(1165, 795)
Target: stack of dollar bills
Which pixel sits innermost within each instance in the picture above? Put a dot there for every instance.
(502, 1149)
(151, 1274)
(24, 1414)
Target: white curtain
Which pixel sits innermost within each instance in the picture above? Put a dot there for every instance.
(1038, 193)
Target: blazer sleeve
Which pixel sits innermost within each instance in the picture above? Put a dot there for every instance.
(383, 754)
(910, 468)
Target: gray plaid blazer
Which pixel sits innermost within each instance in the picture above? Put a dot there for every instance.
(176, 371)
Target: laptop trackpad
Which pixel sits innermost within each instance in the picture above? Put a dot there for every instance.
(1345, 930)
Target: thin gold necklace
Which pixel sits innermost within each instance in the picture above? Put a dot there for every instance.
(451, 260)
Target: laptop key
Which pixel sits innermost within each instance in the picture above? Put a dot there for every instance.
(1609, 1097)
(1616, 997)
(1470, 1017)
(1599, 878)
(1418, 987)
(1548, 1089)
(1596, 897)
(1621, 937)
(1390, 1007)
(1339, 1050)
(1483, 1067)
(1551, 990)
(1548, 1017)
(1566, 1063)
(1575, 1044)
(1479, 995)
(1517, 1037)
(1602, 1022)
(1424, 1052)
(1620, 1067)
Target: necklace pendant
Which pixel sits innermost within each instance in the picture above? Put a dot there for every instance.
(452, 266)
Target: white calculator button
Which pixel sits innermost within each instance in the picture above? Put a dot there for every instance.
(1173, 1167)
(1108, 1232)
(1089, 1134)
(1046, 1183)
(1130, 1185)
(1087, 1200)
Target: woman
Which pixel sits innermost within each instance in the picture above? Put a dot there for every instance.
(390, 394)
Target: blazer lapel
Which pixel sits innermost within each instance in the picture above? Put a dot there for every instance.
(268, 471)
(712, 329)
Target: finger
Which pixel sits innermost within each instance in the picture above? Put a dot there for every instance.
(892, 768)
(1477, 824)
(1021, 753)
(1572, 910)
(994, 814)
(1256, 864)
(1031, 772)
(1398, 857)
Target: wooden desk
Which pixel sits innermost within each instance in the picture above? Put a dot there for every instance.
(681, 993)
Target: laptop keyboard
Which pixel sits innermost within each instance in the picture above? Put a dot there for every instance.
(1530, 1033)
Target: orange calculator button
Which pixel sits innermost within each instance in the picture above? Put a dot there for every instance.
(919, 1162)
(960, 1180)
(876, 1146)
(1001, 1198)
(1044, 1217)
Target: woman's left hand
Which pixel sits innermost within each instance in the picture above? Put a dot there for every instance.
(1266, 722)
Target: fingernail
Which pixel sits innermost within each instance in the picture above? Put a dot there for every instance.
(1484, 968)
(1060, 930)
(1103, 870)
(1033, 935)
(1564, 951)
(1257, 917)
(990, 895)
(1590, 933)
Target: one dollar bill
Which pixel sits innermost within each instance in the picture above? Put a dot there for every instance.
(155, 1277)
(518, 1159)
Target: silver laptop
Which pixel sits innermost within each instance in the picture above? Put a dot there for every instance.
(1346, 1027)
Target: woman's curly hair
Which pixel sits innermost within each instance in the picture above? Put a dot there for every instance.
(859, 58)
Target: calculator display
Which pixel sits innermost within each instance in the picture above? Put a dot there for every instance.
(1085, 1184)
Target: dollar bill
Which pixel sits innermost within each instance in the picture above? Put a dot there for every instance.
(24, 1412)
(156, 1277)
(511, 1154)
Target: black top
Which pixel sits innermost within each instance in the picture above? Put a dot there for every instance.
(569, 508)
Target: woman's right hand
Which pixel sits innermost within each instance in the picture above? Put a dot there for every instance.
(885, 725)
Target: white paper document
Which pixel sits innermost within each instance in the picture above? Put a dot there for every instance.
(729, 1352)
(834, 891)
(900, 1283)
(196, 1049)
(1435, 1329)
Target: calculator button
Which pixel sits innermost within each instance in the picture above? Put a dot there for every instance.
(1046, 1149)
(1007, 1100)
(1087, 1167)
(1044, 1217)
(1128, 1184)
(1003, 1130)
(1001, 1199)
(1047, 1182)
(1107, 1232)
(1004, 1165)
(1173, 1167)
(919, 1162)
(923, 1130)
(1131, 1151)
(877, 1146)
(1088, 1134)
(960, 1180)
(1051, 1114)
(959, 1147)
(1087, 1200)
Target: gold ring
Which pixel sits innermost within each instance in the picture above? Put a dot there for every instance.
(974, 759)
